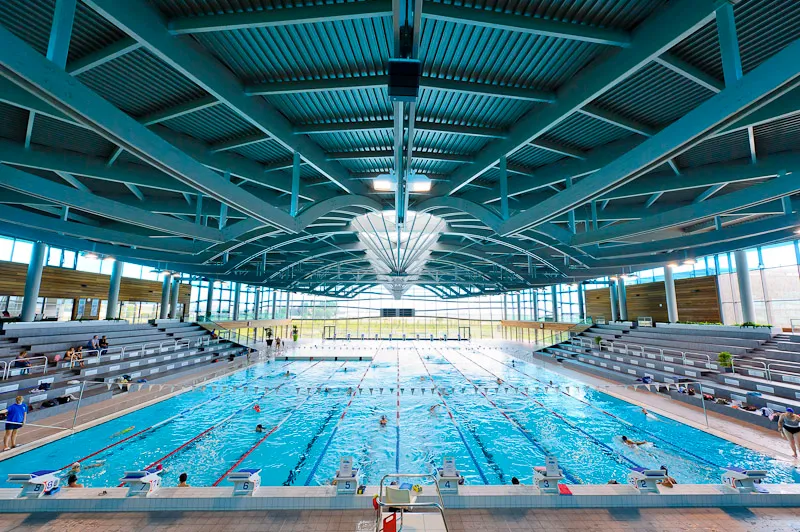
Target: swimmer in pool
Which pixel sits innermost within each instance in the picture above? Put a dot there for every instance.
(433, 409)
(383, 421)
(633, 443)
(287, 374)
(259, 428)
(499, 380)
(123, 431)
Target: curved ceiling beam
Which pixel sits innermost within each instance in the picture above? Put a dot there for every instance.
(347, 248)
(479, 212)
(475, 254)
(317, 210)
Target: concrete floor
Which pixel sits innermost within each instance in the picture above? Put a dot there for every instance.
(644, 520)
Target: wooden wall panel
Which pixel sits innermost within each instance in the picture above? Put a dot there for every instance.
(73, 284)
(697, 300)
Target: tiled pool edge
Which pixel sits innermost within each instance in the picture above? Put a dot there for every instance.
(324, 498)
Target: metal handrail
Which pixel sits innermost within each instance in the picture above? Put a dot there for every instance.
(11, 370)
(4, 373)
(439, 505)
(643, 351)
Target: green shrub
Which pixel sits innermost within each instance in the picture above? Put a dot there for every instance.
(725, 359)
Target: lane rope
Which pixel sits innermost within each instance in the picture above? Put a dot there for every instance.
(170, 419)
(273, 429)
(611, 415)
(556, 414)
(455, 423)
(339, 422)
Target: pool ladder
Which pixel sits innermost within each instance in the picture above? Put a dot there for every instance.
(404, 506)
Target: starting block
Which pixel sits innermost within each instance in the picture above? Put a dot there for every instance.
(245, 481)
(546, 478)
(36, 484)
(347, 479)
(646, 480)
(447, 477)
(142, 483)
(742, 480)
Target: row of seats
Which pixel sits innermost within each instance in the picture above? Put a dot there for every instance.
(763, 376)
(136, 352)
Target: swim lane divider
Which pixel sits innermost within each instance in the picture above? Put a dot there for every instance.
(272, 430)
(397, 425)
(455, 423)
(219, 423)
(168, 420)
(553, 412)
(609, 414)
(338, 423)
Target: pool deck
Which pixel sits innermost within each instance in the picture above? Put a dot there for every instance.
(325, 498)
(507, 520)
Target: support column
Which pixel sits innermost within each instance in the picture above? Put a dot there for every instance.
(164, 311)
(173, 304)
(113, 290)
(210, 299)
(581, 307)
(519, 306)
(505, 306)
(612, 289)
(257, 302)
(672, 299)
(274, 303)
(554, 295)
(503, 188)
(623, 300)
(745, 290)
(237, 296)
(536, 304)
(295, 200)
(32, 282)
(288, 300)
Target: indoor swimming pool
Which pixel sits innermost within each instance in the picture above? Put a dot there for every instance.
(496, 415)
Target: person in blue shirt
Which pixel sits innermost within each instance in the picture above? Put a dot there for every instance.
(15, 418)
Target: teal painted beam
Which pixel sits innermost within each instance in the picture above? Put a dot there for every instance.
(491, 18)
(144, 23)
(272, 18)
(783, 185)
(39, 187)
(773, 77)
(657, 34)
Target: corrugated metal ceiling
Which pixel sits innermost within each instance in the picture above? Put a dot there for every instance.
(140, 83)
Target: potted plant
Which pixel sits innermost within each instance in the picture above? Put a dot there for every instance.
(725, 360)
(295, 333)
(268, 334)
(597, 340)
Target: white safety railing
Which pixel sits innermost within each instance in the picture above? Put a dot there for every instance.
(96, 356)
(11, 371)
(664, 354)
(767, 370)
(644, 321)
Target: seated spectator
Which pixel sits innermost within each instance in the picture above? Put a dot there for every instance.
(6, 314)
(74, 355)
(103, 344)
(22, 362)
(94, 343)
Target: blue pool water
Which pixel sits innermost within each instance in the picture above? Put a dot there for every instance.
(493, 432)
